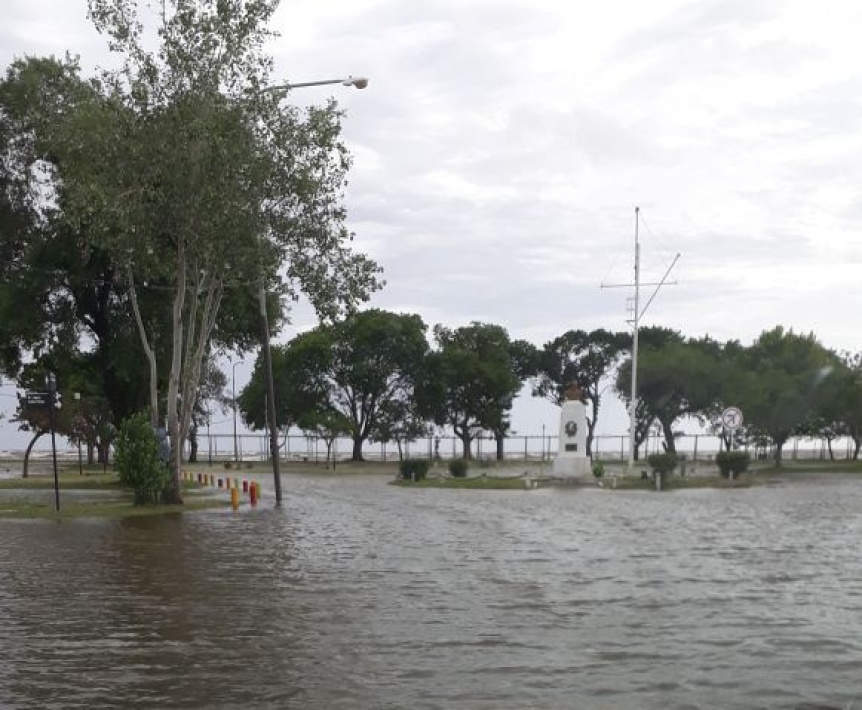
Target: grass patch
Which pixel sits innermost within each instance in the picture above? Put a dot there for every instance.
(814, 467)
(475, 483)
(107, 509)
(74, 482)
(71, 482)
(675, 483)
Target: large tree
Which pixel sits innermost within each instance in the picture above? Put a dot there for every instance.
(843, 410)
(470, 381)
(677, 378)
(187, 170)
(363, 368)
(582, 358)
(783, 374)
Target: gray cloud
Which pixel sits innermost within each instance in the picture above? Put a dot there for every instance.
(500, 151)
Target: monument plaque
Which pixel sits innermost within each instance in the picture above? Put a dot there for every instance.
(571, 460)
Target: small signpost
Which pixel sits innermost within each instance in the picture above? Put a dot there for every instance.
(49, 400)
(731, 420)
(37, 399)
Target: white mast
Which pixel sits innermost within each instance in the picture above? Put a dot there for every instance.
(637, 314)
(635, 322)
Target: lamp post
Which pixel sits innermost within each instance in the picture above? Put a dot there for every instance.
(51, 384)
(233, 400)
(77, 396)
(359, 83)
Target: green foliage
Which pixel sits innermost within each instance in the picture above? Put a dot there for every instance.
(780, 380)
(458, 468)
(413, 469)
(664, 464)
(598, 469)
(359, 371)
(138, 462)
(732, 461)
(677, 377)
(469, 383)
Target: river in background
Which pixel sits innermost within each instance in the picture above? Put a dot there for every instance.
(361, 595)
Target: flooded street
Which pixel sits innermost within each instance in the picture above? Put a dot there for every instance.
(361, 595)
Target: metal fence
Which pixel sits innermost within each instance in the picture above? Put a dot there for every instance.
(296, 447)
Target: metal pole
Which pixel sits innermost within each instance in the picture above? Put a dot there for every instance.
(52, 405)
(636, 318)
(270, 390)
(233, 399)
(77, 397)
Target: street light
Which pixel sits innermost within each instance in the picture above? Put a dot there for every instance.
(359, 83)
(233, 399)
(77, 397)
(51, 385)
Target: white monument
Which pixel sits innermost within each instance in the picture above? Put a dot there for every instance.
(571, 460)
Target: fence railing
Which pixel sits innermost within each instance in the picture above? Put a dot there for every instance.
(697, 447)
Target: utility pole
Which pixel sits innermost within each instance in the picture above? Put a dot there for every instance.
(270, 394)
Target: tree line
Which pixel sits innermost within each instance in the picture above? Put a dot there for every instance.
(374, 377)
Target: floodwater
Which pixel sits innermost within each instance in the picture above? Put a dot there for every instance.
(361, 595)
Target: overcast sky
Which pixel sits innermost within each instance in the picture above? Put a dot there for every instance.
(502, 145)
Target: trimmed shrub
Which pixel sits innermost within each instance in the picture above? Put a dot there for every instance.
(736, 461)
(458, 468)
(413, 469)
(138, 462)
(598, 469)
(662, 463)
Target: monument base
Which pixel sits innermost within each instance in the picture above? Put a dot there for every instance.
(571, 467)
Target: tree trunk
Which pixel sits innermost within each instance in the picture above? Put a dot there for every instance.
(670, 443)
(501, 453)
(193, 445)
(91, 453)
(35, 438)
(591, 424)
(778, 447)
(173, 493)
(357, 448)
(465, 443)
(148, 351)
(857, 444)
(829, 447)
(103, 448)
(400, 450)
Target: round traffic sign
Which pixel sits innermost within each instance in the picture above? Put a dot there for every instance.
(731, 418)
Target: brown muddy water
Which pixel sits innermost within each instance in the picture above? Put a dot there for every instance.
(360, 595)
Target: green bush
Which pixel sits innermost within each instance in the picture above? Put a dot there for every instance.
(662, 463)
(736, 461)
(598, 469)
(138, 461)
(413, 469)
(458, 468)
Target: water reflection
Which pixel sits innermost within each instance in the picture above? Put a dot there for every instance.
(361, 595)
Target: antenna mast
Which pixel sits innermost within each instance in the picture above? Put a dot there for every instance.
(637, 314)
